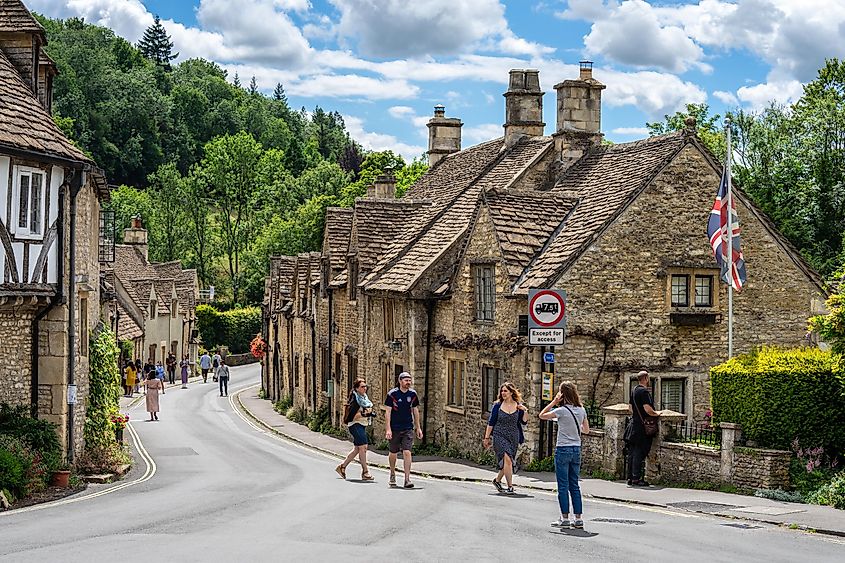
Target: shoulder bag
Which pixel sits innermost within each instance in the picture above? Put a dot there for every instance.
(575, 418)
(649, 422)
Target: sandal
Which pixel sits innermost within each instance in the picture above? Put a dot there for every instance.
(367, 477)
(341, 470)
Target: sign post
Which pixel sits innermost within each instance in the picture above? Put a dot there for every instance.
(546, 317)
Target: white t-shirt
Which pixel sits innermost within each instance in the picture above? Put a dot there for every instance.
(568, 432)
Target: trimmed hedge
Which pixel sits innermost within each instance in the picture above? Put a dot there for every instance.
(234, 328)
(778, 395)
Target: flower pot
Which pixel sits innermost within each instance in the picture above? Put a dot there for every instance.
(118, 435)
(60, 478)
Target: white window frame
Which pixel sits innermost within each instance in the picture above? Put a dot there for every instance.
(27, 231)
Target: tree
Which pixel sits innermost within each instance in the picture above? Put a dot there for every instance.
(198, 211)
(168, 232)
(156, 45)
(279, 93)
(253, 86)
(708, 128)
(127, 202)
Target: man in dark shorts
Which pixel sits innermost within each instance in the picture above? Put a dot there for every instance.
(639, 444)
(401, 420)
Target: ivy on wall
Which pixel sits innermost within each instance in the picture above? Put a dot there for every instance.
(105, 390)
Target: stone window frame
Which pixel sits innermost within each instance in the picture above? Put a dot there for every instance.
(692, 274)
(26, 232)
(485, 301)
(501, 378)
(455, 359)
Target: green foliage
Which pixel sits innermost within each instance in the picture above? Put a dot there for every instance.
(832, 493)
(156, 44)
(23, 469)
(296, 414)
(807, 482)
(104, 390)
(779, 495)
(38, 434)
(283, 405)
(778, 395)
(831, 327)
(707, 127)
(234, 328)
(541, 464)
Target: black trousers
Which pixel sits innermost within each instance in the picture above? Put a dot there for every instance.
(171, 376)
(638, 448)
(224, 385)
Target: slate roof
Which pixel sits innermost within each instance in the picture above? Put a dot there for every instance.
(285, 270)
(454, 187)
(187, 284)
(25, 124)
(15, 17)
(605, 181)
(138, 275)
(338, 226)
(380, 222)
(127, 328)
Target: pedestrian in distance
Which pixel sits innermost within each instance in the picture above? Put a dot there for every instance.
(153, 385)
(205, 365)
(223, 378)
(571, 418)
(504, 428)
(171, 368)
(357, 415)
(139, 373)
(159, 371)
(216, 360)
(402, 420)
(130, 379)
(149, 367)
(641, 430)
(184, 365)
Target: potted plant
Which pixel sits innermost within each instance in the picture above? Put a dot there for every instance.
(120, 421)
(61, 477)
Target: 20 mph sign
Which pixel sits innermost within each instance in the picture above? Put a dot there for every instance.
(546, 317)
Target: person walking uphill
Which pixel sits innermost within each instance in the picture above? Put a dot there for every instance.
(223, 378)
(185, 365)
(641, 430)
(401, 419)
(571, 423)
(357, 415)
(505, 427)
(205, 365)
(153, 385)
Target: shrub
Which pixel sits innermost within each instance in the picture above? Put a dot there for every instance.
(234, 328)
(780, 394)
(282, 405)
(541, 464)
(780, 495)
(103, 459)
(296, 414)
(104, 390)
(13, 471)
(831, 493)
(23, 471)
(40, 435)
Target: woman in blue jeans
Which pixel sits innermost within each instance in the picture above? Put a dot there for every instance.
(571, 419)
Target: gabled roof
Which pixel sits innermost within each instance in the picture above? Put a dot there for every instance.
(285, 271)
(338, 226)
(379, 222)
(127, 328)
(605, 180)
(25, 124)
(454, 186)
(137, 276)
(16, 18)
(186, 282)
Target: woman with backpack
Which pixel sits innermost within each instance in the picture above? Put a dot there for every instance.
(357, 415)
(571, 418)
(504, 428)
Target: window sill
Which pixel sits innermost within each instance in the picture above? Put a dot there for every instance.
(483, 323)
(455, 409)
(694, 318)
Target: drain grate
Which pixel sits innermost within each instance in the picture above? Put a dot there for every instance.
(619, 521)
(742, 526)
(701, 506)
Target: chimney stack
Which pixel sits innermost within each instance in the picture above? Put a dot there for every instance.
(385, 186)
(578, 114)
(523, 106)
(136, 236)
(444, 135)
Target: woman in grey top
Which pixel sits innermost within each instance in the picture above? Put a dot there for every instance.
(571, 418)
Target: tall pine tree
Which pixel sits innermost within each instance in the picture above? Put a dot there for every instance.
(156, 45)
(279, 93)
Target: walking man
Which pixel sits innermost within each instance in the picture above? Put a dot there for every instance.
(223, 378)
(638, 436)
(205, 365)
(171, 368)
(402, 419)
(216, 360)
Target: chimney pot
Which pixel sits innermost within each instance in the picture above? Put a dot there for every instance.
(439, 110)
(136, 235)
(385, 186)
(586, 70)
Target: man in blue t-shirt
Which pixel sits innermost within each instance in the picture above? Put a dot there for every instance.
(401, 420)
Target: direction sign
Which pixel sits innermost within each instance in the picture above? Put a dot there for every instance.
(546, 317)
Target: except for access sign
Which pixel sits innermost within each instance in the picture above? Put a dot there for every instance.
(546, 317)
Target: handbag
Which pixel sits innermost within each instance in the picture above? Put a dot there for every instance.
(649, 422)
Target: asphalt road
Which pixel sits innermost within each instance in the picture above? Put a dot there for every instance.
(223, 490)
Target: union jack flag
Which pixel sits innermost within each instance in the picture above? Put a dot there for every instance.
(717, 229)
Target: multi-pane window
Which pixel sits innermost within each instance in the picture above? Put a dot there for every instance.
(492, 379)
(703, 291)
(153, 307)
(83, 326)
(485, 292)
(680, 290)
(456, 377)
(672, 394)
(31, 184)
(387, 315)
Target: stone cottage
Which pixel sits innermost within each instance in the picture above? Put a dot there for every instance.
(50, 248)
(154, 304)
(438, 288)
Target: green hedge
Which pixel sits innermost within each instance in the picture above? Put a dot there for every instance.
(234, 328)
(778, 395)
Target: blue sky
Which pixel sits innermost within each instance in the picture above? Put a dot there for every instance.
(384, 64)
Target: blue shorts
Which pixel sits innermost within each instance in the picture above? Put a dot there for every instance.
(359, 435)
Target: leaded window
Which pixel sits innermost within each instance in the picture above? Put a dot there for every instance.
(485, 292)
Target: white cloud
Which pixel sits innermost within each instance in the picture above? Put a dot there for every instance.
(481, 133)
(128, 18)
(727, 98)
(638, 131)
(590, 10)
(380, 141)
(401, 112)
(760, 96)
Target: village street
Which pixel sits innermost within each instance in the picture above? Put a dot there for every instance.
(223, 489)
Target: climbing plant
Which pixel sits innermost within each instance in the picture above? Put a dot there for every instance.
(105, 389)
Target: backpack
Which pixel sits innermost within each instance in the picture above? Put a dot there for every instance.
(215, 363)
(349, 411)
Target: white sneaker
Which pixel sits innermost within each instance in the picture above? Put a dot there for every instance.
(560, 523)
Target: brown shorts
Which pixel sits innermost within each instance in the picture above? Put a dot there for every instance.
(402, 440)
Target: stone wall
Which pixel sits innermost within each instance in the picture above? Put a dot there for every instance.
(592, 451)
(15, 350)
(688, 463)
(766, 469)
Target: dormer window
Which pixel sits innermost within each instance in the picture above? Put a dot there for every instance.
(28, 197)
(153, 307)
(174, 307)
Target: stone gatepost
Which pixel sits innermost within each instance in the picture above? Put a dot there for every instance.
(614, 439)
(730, 436)
(666, 420)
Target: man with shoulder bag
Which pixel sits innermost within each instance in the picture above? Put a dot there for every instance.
(641, 430)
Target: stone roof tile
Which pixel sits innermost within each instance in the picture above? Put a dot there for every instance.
(16, 18)
(338, 227)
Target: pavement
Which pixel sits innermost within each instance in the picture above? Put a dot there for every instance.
(211, 484)
(822, 519)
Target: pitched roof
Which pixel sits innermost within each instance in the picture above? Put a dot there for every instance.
(605, 180)
(523, 221)
(15, 17)
(186, 282)
(137, 276)
(379, 222)
(127, 328)
(25, 124)
(338, 226)
(454, 186)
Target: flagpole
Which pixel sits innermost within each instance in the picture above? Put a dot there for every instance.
(730, 244)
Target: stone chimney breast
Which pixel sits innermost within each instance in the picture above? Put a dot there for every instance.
(136, 235)
(523, 106)
(579, 103)
(385, 187)
(444, 135)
